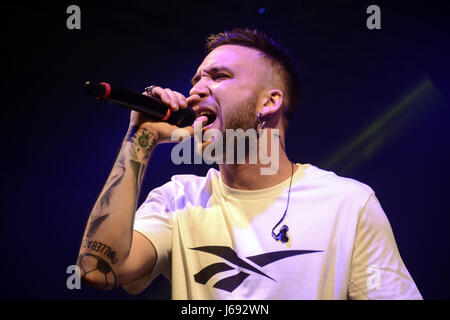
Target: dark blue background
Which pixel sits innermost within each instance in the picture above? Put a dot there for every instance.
(59, 144)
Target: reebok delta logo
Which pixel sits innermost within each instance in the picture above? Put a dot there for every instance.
(232, 282)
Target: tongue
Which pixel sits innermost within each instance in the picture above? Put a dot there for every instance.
(202, 119)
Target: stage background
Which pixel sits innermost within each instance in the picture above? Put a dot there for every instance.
(374, 107)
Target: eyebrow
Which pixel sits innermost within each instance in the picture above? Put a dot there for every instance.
(213, 70)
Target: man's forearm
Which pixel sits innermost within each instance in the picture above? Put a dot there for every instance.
(108, 234)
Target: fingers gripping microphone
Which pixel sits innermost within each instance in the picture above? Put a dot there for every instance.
(150, 106)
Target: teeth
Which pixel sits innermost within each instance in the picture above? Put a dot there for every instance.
(209, 114)
(205, 113)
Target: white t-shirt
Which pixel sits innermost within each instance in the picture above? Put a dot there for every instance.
(215, 242)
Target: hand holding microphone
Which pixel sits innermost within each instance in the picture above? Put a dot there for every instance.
(160, 110)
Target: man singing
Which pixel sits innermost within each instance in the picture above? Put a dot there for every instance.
(293, 232)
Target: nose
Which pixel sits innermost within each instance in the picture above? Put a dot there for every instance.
(200, 88)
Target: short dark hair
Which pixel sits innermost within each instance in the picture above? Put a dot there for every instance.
(280, 59)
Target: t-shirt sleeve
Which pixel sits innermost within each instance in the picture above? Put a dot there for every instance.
(153, 219)
(377, 270)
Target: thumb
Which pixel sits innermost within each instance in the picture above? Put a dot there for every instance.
(193, 100)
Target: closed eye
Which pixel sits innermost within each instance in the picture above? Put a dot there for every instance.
(220, 76)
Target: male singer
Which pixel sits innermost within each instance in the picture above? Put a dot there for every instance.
(300, 233)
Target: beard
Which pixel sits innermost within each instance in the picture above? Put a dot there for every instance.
(243, 118)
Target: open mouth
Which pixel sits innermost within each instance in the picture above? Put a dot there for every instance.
(209, 114)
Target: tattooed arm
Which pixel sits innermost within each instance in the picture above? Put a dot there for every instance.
(111, 254)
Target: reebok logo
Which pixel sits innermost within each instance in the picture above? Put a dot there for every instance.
(232, 282)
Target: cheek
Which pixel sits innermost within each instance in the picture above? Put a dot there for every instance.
(231, 94)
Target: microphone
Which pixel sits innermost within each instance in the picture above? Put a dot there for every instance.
(148, 105)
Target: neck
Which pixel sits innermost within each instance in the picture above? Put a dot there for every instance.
(248, 176)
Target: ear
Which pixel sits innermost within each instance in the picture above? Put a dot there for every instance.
(271, 102)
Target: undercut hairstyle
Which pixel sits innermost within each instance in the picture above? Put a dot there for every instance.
(280, 60)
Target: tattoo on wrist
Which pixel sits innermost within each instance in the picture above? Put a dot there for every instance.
(144, 138)
(143, 142)
(91, 263)
(102, 248)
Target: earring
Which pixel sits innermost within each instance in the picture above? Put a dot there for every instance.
(259, 122)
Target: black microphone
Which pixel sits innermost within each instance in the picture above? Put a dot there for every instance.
(150, 106)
